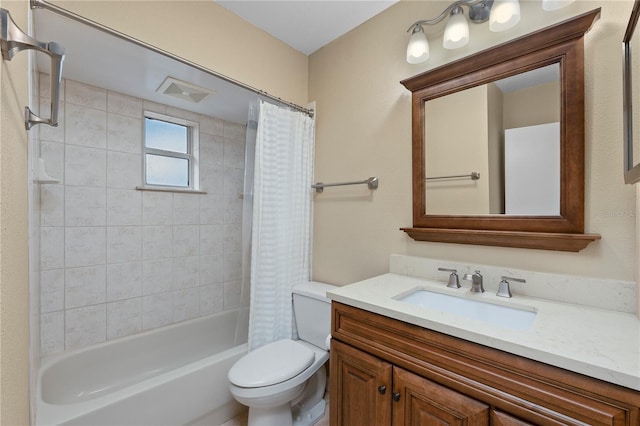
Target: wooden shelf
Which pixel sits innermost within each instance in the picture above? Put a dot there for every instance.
(531, 240)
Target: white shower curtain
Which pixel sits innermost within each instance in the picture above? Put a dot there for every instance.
(282, 220)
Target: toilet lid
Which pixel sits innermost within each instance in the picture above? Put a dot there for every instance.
(270, 364)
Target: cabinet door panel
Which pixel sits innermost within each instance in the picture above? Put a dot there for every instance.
(499, 418)
(422, 402)
(360, 388)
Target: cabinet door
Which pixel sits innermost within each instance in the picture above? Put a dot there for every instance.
(499, 418)
(421, 402)
(360, 388)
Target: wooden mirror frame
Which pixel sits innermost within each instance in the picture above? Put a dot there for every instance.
(562, 44)
(631, 165)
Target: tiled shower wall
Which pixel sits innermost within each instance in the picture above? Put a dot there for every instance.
(115, 261)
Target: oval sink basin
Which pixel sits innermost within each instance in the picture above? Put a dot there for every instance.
(505, 316)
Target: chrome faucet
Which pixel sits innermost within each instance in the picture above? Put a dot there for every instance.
(476, 282)
(453, 278)
(503, 288)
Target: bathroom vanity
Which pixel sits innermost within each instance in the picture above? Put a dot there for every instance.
(395, 362)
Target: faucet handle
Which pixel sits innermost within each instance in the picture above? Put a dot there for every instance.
(503, 289)
(453, 278)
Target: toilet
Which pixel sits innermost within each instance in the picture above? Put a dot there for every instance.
(283, 382)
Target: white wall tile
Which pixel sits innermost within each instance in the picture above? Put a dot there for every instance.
(85, 246)
(211, 126)
(232, 266)
(157, 208)
(124, 281)
(51, 290)
(124, 207)
(51, 205)
(86, 95)
(85, 286)
(233, 182)
(211, 299)
(212, 179)
(157, 242)
(51, 333)
(233, 238)
(124, 170)
(85, 126)
(232, 209)
(211, 209)
(124, 133)
(53, 155)
(124, 244)
(186, 209)
(234, 153)
(85, 326)
(85, 206)
(186, 241)
(154, 107)
(51, 248)
(157, 310)
(211, 239)
(157, 276)
(211, 150)
(233, 294)
(234, 131)
(186, 304)
(118, 103)
(85, 166)
(124, 318)
(186, 272)
(211, 270)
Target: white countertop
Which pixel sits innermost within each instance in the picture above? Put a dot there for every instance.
(594, 342)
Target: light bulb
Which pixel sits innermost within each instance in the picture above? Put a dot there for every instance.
(504, 15)
(456, 33)
(418, 47)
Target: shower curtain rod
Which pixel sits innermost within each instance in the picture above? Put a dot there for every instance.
(42, 4)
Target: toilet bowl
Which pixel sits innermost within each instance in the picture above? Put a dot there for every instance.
(283, 382)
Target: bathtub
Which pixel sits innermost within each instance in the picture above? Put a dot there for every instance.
(176, 375)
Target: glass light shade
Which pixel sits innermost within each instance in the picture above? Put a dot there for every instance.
(555, 4)
(504, 15)
(456, 33)
(418, 47)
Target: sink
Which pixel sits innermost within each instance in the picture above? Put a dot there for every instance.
(515, 318)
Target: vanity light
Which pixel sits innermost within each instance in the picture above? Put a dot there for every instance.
(501, 14)
(456, 33)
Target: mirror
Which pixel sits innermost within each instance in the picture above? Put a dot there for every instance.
(631, 97)
(441, 210)
(495, 148)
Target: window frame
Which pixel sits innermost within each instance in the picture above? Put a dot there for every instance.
(193, 132)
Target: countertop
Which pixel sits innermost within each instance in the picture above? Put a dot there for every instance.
(595, 342)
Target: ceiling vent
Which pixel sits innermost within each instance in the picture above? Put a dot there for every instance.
(183, 90)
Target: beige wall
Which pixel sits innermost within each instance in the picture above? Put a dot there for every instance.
(14, 252)
(207, 34)
(364, 129)
(457, 146)
(533, 105)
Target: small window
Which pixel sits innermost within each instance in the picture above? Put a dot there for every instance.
(170, 152)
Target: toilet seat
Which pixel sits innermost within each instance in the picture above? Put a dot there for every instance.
(271, 364)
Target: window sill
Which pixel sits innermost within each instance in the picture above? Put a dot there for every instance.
(170, 189)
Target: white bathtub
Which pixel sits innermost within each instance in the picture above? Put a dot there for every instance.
(175, 375)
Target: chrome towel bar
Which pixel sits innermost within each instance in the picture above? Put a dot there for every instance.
(472, 176)
(372, 183)
(14, 40)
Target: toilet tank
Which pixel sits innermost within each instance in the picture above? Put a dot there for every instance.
(312, 310)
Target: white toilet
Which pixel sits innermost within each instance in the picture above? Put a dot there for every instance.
(283, 382)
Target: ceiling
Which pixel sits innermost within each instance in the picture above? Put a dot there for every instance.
(306, 25)
(123, 66)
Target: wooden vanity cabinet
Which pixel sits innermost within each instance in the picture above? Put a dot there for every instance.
(387, 372)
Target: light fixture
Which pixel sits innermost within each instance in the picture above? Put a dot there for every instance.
(456, 33)
(501, 14)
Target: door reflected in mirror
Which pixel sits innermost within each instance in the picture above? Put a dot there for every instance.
(495, 148)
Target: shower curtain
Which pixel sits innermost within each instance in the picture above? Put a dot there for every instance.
(282, 219)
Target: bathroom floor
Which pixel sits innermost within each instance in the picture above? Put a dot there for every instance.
(241, 420)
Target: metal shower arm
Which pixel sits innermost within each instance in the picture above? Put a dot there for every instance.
(13, 40)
